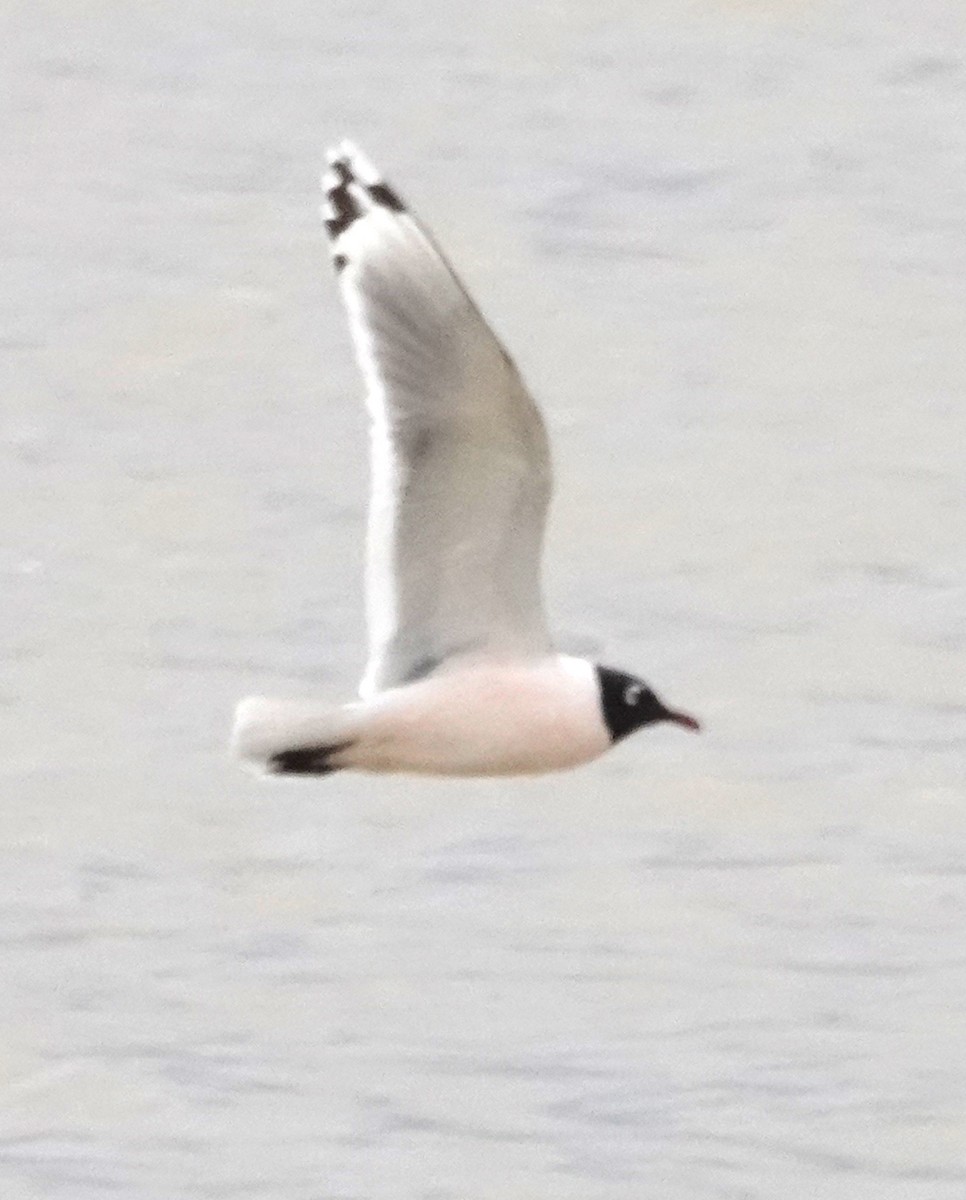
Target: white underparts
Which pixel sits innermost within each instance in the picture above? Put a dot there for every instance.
(490, 718)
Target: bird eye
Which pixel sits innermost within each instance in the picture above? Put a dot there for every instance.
(632, 693)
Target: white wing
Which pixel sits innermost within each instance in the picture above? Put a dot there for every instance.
(460, 462)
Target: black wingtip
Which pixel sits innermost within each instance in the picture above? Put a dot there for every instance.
(352, 187)
(305, 760)
(342, 208)
(381, 193)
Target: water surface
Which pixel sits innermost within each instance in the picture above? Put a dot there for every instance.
(726, 242)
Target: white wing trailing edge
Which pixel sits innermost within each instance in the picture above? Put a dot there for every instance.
(461, 475)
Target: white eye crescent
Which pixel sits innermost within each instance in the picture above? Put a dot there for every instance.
(632, 693)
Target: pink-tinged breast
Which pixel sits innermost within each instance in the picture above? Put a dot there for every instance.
(487, 719)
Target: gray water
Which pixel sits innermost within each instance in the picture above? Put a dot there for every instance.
(727, 243)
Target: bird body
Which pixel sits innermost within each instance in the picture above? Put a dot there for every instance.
(463, 678)
(513, 717)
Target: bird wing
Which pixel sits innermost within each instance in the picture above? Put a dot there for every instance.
(461, 475)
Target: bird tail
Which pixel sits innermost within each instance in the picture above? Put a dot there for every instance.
(289, 736)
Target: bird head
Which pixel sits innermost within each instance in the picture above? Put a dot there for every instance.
(628, 703)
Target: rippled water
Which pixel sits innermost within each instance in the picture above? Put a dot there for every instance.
(726, 242)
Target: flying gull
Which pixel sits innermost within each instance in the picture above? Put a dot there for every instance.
(462, 678)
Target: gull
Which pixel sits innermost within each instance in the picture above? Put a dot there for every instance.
(462, 678)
